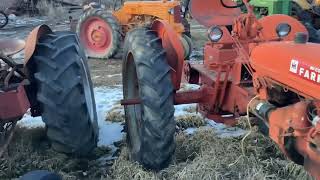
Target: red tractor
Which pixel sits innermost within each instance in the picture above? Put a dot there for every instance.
(54, 83)
(263, 68)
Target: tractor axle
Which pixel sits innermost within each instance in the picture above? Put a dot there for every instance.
(186, 97)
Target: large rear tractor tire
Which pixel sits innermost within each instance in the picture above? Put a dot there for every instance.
(61, 80)
(150, 126)
(99, 33)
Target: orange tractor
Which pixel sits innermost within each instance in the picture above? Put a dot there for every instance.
(101, 31)
(54, 83)
(263, 68)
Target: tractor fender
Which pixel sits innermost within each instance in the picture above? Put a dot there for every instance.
(173, 46)
(32, 41)
(269, 25)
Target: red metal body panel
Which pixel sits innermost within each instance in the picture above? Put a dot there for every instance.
(13, 104)
(293, 65)
(220, 74)
(270, 23)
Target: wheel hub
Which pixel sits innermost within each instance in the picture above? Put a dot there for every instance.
(97, 34)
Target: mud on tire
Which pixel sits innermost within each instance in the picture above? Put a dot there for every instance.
(150, 126)
(110, 23)
(62, 85)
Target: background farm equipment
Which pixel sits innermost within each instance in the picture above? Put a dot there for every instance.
(54, 82)
(101, 31)
(267, 7)
(306, 11)
(3, 19)
(238, 76)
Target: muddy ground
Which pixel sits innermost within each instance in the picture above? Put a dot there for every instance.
(202, 153)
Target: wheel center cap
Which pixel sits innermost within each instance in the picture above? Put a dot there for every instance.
(97, 36)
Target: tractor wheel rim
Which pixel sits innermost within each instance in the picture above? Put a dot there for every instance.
(133, 112)
(88, 91)
(96, 35)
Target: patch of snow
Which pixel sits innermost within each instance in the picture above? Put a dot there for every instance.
(181, 109)
(224, 131)
(113, 75)
(190, 131)
(109, 132)
(221, 130)
(31, 122)
(106, 98)
(12, 17)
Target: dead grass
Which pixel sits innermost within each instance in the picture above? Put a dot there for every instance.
(190, 120)
(116, 114)
(204, 156)
(52, 10)
(199, 156)
(30, 150)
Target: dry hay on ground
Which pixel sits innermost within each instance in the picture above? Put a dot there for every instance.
(30, 150)
(116, 114)
(199, 156)
(52, 10)
(190, 121)
(205, 156)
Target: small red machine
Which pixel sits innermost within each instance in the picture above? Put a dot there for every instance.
(264, 67)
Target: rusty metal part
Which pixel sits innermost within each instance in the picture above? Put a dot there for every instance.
(9, 76)
(209, 13)
(13, 104)
(291, 129)
(186, 97)
(32, 40)
(6, 134)
(174, 49)
(10, 62)
(9, 47)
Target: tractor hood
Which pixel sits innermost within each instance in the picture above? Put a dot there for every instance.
(212, 12)
(295, 65)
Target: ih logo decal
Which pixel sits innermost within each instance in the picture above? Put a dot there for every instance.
(294, 66)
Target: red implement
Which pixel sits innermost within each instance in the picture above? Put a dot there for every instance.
(212, 12)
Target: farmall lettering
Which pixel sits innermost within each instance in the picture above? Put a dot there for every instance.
(305, 71)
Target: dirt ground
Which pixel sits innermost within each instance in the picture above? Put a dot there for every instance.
(202, 155)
